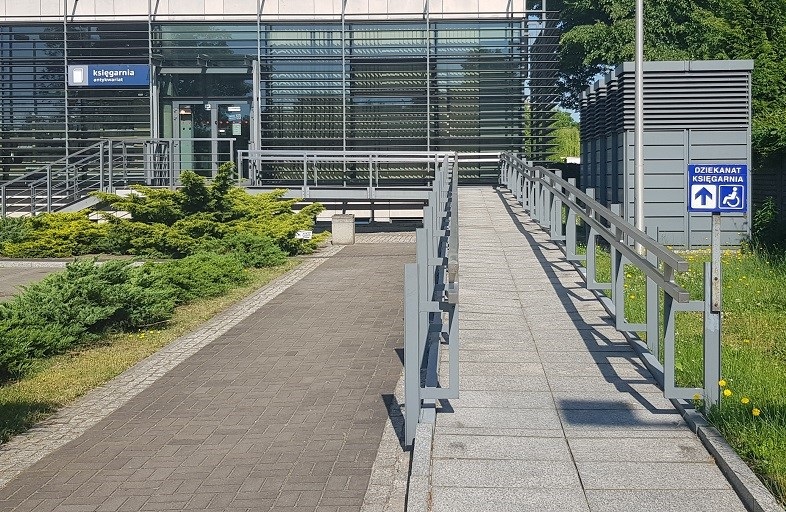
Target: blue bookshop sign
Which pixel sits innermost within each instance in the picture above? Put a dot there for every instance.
(109, 75)
(721, 188)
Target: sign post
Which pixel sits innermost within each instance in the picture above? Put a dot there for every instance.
(715, 189)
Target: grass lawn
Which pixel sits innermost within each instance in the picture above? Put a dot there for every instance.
(752, 413)
(54, 382)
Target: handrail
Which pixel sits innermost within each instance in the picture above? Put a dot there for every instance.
(546, 196)
(557, 186)
(431, 287)
(102, 165)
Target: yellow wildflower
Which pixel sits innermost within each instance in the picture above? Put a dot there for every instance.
(722, 383)
(755, 412)
(745, 400)
(697, 396)
(727, 392)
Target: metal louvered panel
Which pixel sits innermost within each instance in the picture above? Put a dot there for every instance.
(684, 95)
(694, 112)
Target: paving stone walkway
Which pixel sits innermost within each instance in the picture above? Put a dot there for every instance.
(556, 413)
(279, 404)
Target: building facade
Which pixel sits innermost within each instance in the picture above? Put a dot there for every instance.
(370, 75)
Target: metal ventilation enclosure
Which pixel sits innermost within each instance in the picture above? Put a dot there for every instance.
(695, 112)
(275, 75)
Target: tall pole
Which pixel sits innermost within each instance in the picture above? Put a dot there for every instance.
(638, 150)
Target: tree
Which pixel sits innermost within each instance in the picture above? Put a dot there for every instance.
(566, 137)
(598, 34)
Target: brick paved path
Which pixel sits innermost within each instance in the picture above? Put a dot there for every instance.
(284, 411)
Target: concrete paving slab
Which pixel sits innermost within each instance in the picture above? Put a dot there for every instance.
(613, 417)
(501, 448)
(578, 384)
(505, 474)
(478, 417)
(504, 399)
(500, 369)
(705, 500)
(583, 356)
(617, 399)
(687, 476)
(520, 384)
(604, 367)
(679, 449)
(446, 499)
(499, 432)
(480, 355)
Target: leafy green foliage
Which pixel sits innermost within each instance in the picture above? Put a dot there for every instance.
(55, 235)
(767, 234)
(214, 231)
(87, 300)
(13, 229)
(200, 275)
(566, 137)
(174, 224)
(599, 34)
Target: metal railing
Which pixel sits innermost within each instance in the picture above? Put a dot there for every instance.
(309, 171)
(549, 199)
(100, 166)
(431, 288)
(105, 166)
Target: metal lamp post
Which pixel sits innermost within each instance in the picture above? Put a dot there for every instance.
(638, 150)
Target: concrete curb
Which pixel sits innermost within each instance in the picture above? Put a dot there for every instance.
(419, 489)
(745, 483)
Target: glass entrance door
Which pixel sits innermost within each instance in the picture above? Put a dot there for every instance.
(210, 133)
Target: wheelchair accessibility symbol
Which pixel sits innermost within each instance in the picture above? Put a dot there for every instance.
(732, 197)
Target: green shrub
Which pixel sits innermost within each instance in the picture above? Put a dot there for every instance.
(81, 304)
(74, 307)
(252, 250)
(57, 235)
(149, 240)
(766, 232)
(203, 274)
(14, 229)
(147, 204)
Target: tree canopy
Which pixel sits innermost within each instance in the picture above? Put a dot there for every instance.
(598, 34)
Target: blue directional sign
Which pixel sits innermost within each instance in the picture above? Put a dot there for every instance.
(718, 188)
(109, 75)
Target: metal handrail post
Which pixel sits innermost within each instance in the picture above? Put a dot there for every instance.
(49, 189)
(111, 170)
(712, 341)
(570, 229)
(305, 176)
(171, 173)
(101, 167)
(124, 161)
(653, 311)
(412, 361)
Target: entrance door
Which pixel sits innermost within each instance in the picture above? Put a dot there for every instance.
(210, 133)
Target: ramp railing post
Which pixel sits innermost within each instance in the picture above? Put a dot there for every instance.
(411, 354)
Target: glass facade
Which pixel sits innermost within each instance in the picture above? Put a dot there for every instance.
(472, 86)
